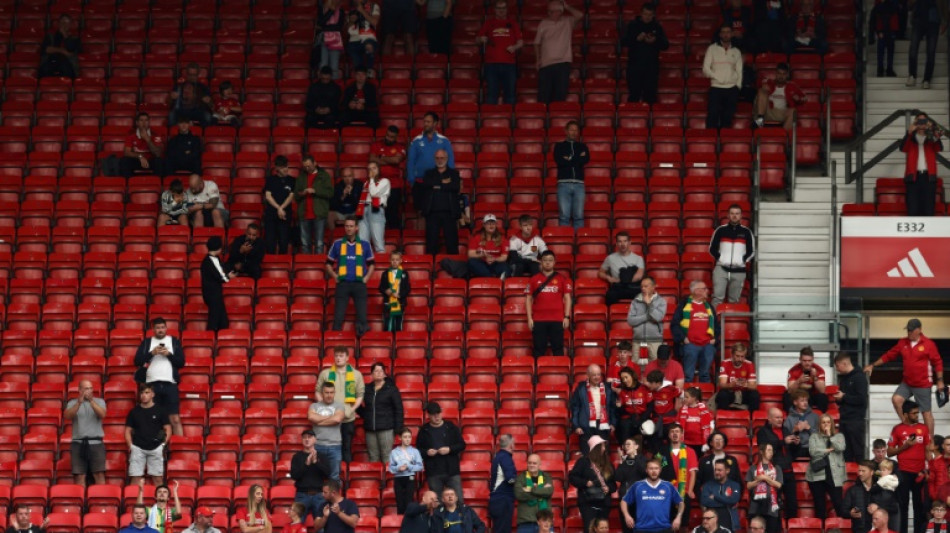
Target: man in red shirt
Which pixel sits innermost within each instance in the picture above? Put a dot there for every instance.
(695, 328)
(920, 357)
(807, 376)
(737, 382)
(879, 522)
(548, 306)
(390, 155)
(672, 370)
(680, 465)
(777, 99)
(501, 37)
(143, 150)
(909, 441)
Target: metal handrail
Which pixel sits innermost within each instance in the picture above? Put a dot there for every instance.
(832, 263)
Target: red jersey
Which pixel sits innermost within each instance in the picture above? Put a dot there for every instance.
(938, 475)
(672, 372)
(664, 403)
(613, 372)
(912, 459)
(792, 96)
(918, 359)
(225, 106)
(251, 520)
(692, 463)
(699, 330)
(733, 373)
(548, 305)
(697, 424)
(139, 146)
(795, 373)
(634, 402)
(295, 528)
(391, 172)
(501, 34)
(497, 250)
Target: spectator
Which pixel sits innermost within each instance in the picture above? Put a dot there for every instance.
(879, 455)
(571, 156)
(671, 370)
(439, 192)
(205, 205)
(160, 515)
(184, 150)
(545, 522)
(190, 98)
(361, 29)
(143, 150)
(645, 39)
(438, 25)
(351, 262)
(884, 495)
(737, 382)
(929, 17)
(801, 424)
(254, 517)
(647, 311)
(680, 465)
(826, 473)
(138, 525)
(313, 190)
(323, 101)
(405, 462)
(852, 400)
(622, 270)
(394, 286)
(350, 392)
(782, 456)
(808, 30)
(809, 377)
(738, 16)
(667, 402)
(880, 522)
(390, 155)
(732, 246)
(246, 253)
(717, 443)
(632, 405)
(501, 485)
(330, 23)
(227, 106)
(86, 449)
(372, 225)
(423, 157)
(937, 466)
(204, 517)
(326, 415)
(553, 52)
(453, 512)
(346, 195)
(533, 490)
(647, 505)
(696, 421)
(938, 513)
(593, 477)
(441, 445)
(22, 521)
(400, 18)
(722, 64)
(757, 525)
(159, 359)
(309, 470)
(174, 208)
(777, 101)
(60, 51)
(858, 498)
(418, 516)
(763, 481)
(909, 442)
(382, 414)
(695, 328)
(711, 523)
(883, 26)
(487, 251)
(592, 409)
(721, 495)
(921, 145)
(632, 468)
(501, 38)
(770, 25)
(360, 105)
(548, 306)
(525, 249)
(624, 360)
(213, 279)
(147, 431)
(338, 515)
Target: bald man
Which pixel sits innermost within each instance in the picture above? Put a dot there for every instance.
(87, 450)
(533, 491)
(592, 393)
(419, 515)
(879, 522)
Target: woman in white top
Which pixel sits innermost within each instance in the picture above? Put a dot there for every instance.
(375, 197)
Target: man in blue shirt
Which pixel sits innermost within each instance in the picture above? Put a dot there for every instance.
(650, 500)
(501, 502)
(422, 151)
(351, 262)
(139, 521)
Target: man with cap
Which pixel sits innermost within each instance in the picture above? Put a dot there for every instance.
(204, 517)
(919, 355)
(592, 411)
(309, 470)
(672, 370)
(441, 445)
(213, 279)
(351, 262)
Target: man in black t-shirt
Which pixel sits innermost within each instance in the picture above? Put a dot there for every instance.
(22, 521)
(278, 195)
(147, 430)
(337, 514)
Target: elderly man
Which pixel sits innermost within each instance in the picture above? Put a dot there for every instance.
(646, 314)
(423, 152)
(350, 391)
(86, 449)
(710, 523)
(696, 329)
(879, 522)
(202, 524)
(501, 483)
(592, 408)
(552, 45)
(159, 359)
(436, 195)
(454, 513)
(533, 490)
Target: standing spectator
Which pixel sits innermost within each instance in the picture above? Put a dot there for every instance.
(737, 382)
(309, 470)
(190, 98)
(363, 44)
(632, 468)
(338, 514)
(394, 285)
(441, 445)
(826, 473)
(346, 195)
(147, 431)
(161, 515)
(533, 490)
(246, 253)
(390, 155)
(360, 106)
(739, 17)
(372, 226)
(330, 22)
(647, 505)
(593, 477)
(680, 465)
(351, 262)
(633, 406)
(721, 495)
(525, 249)
(323, 101)
(405, 462)
(622, 270)
(439, 194)
(254, 518)
(647, 311)
(139, 523)
(732, 246)
(695, 328)
(174, 209)
(801, 423)
(645, 39)
(770, 25)
(501, 485)
(418, 516)
(487, 251)
(928, 18)
(592, 409)
(909, 441)
(143, 150)
(921, 145)
(879, 455)
(326, 415)
(400, 18)
(548, 306)
(313, 190)
(60, 51)
(722, 64)
(671, 370)
(213, 279)
(884, 495)
(571, 156)
(808, 30)
(809, 377)
(922, 366)
(553, 52)
(717, 451)
(382, 414)
(227, 107)
(884, 25)
(204, 517)
(438, 25)
(773, 434)
(763, 481)
(159, 359)
(937, 466)
(501, 38)
(184, 150)
(86, 450)
(205, 206)
(696, 420)
(852, 399)
(454, 515)
(423, 157)
(350, 392)
(858, 498)
(777, 100)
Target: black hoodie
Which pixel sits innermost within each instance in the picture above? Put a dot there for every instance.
(382, 409)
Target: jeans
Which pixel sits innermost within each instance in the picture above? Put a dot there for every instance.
(362, 53)
(311, 501)
(373, 228)
(570, 204)
(335, 454)
(704, 354)
(478, 268)
(331, 58)
(527, 527)
(312, 229)
(501, 79)
(920, 31)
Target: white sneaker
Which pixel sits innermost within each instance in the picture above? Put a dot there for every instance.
(925, 85)
(759, 121)
(911, 81)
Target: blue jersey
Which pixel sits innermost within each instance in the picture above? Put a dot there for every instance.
(652, 504)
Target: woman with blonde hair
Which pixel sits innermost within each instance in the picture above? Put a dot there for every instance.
(254, 518)
(826, 469)
(488, 250)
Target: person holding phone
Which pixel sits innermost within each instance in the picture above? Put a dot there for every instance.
(921, 144)
(159, 359)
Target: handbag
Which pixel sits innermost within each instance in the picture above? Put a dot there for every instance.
(594, 493)
(820, 465)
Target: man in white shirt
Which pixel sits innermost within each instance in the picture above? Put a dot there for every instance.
(159, 357)
(722, 64)
(203, 199)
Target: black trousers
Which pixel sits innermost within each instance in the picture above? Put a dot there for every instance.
(501, 510)
(590, 511)
(853, 431)
(643, 76)
(816, 400)
(522, 267)
(344, 291)
(217, 312)
(439, 35)
(622, 291)
(820, 489)
(788, 492)
(394, 209)
(724, 399)
(276, 234)
(347, 430)
(548, 333)
(921, 195)
(553, 82)
(130, 165)
(721, 107)
(405, 488)
(912, 491)
(442, 220)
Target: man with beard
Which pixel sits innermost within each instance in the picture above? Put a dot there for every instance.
(246, 253)
(159, 359)
(722, 495)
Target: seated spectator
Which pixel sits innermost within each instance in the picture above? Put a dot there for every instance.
(323, 101)
(770, 25)
(737, 382)
(739, 16)
(246, 253)
(190, 98)
(205, 206)
(807, 30)
(143, 150)
(800, 424)
(525, 248)
(204, 517)
(60, 51)
(360, 105)
(227, 106)
(623, 270)
(624, 360)
(184, 150)
(254, 518)
(361, 28)
(139, 522)
(174, 208)
(809, 377)
(22, 521)
(346, 196)
(777, 99)
(672, 371)
(337, 515)
(487, 251)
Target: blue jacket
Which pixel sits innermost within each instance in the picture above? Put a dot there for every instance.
(723, 498)
(422, 155)
(132, 529)
(580, 409)
(503, 475)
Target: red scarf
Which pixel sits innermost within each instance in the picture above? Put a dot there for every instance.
(308, 209)
(763, 489)
(591, 406)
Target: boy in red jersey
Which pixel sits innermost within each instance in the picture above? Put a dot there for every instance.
(296, 525)
(697, 421)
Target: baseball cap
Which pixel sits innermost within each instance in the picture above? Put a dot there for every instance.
(663, 352)
(204, 511)
(913, 324)
(489, 218)
(594, 441)
(308, 432)
(433, 408)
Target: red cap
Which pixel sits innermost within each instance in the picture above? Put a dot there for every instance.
(204, 511)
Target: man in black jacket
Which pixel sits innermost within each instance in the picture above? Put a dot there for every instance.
(213, 278)
(159, 358)
(732, 246)
(858, 497)
(852, 400)
(440, 443)
(571, 156)
(183, 152)
(418, 517)
(441, 208)
(360, 105)
(646, 39)
(246, 253)
(782, 458)
(309, 470)
(323, 101)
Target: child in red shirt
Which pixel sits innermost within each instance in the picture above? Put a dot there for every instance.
(296, 525)
(227, 107)
(697, 421)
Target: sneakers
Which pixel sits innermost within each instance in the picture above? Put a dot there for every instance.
(760, 121)
(925, 85)
(911, 81)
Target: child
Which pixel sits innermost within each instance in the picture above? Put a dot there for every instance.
(227, 108)
(394, 286)
(884, 25)
(404, 463)
(696, 420)
(297, 512)
(938, 522)
(545, 521)
(884, 495)
(624, 355)
(525, 248)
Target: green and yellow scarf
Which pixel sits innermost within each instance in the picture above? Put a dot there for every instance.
(396, 276)
(350, 386)
(682, 471)
(528, 482)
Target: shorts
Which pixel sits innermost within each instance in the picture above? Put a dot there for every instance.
(775, 115)
(166, 395)
(398, 20)
(153, 460)
(922, 395)
(94, 460)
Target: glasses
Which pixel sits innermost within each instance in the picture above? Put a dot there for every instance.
(708, 517)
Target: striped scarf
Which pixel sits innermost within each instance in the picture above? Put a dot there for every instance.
(682, 470)
(350, 385)
(359, 263)
(396, 276)
(688, 311)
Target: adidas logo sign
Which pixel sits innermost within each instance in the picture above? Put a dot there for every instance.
(906, 267)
